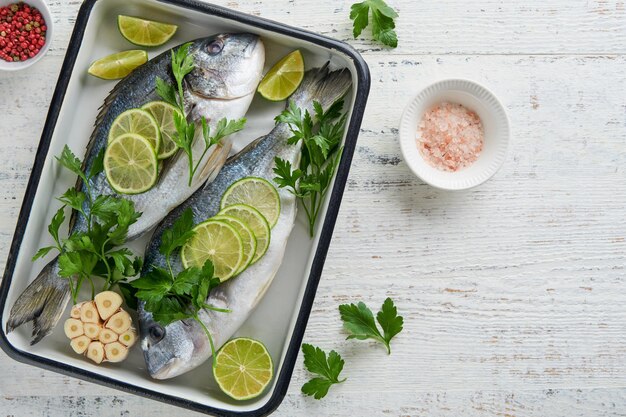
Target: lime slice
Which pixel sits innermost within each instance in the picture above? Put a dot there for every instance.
(218, 242)
(139, 122)
(247, 237)
(256, 222)
(243, 368)
(145, 32)
(284, 77)
(256, 192)
(118, 65)
(130, 164)
(164, 114)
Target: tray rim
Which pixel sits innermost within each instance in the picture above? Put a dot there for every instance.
(284, 376)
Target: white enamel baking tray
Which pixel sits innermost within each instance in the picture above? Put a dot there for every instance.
(281, 317)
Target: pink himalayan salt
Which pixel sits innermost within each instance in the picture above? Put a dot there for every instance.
(450, 137)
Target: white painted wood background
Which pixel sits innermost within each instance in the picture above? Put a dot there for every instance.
(513, 293)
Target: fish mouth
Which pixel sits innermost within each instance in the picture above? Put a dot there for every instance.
(169, 370)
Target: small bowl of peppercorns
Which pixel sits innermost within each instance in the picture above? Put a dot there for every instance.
(25, 33)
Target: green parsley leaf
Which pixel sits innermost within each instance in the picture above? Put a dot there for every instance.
(76, 263)
(206, 284)
(166, 92)
(124, 261)
(169, 311)
(178, 235)
(128, 293)
(389, 320)
(358, 320)
(328, 370)
(55, 224)
(74, 199)
(383, 29)
(105, 208)
(79, 242)
(43, 252)
(153, 286)
(186, 280)
(285, 175)
(71, 162)
(226, 128)
(383, 24)
(98, 164)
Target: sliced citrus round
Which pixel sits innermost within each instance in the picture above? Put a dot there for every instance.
(243, 368)
(139, 122)
(118, 65)
(130, 164)
(256, 222)
(144, 32)
(256, 192)
(164, 115)
(284, 78)
(218, 242)
(247, 237)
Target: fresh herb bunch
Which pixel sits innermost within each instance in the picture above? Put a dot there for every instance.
(171, 297)
(182, 64)
(358, 320)
(320, 154)
(95, 251)
(327, 369)
(383, 24)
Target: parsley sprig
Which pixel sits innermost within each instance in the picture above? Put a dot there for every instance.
(171, 297)
(358, 320)
(95, 251)
(182, 64)
(382, 21)
(327, 369)
(320, 154)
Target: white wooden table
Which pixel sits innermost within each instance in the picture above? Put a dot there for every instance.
(514, 294)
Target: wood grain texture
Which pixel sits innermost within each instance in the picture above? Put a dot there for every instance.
(512, 292)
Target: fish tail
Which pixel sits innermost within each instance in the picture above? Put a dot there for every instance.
(42, 302)
(323, 86)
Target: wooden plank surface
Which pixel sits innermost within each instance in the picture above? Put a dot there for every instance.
(512, 293)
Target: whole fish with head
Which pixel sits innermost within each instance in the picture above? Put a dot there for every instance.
(182, 345)
(227, 70)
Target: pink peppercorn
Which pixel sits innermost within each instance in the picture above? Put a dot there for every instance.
(22, 32)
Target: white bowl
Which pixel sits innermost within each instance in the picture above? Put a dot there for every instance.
(495, 123)
(45, 12)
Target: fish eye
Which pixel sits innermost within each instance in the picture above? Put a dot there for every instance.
(157, 332)
(215, 47)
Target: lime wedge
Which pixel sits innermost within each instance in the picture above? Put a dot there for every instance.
(130, 164)
(218, 242)
(256, 222)
(118, 65)
(139, 122)
(243, 368)
(256, 192)
(164, 114)
(144, 32)
(284, 78)
(247, 237)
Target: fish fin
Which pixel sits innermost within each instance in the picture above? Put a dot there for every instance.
(102, 111)
(42, 302)
(216, 161)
